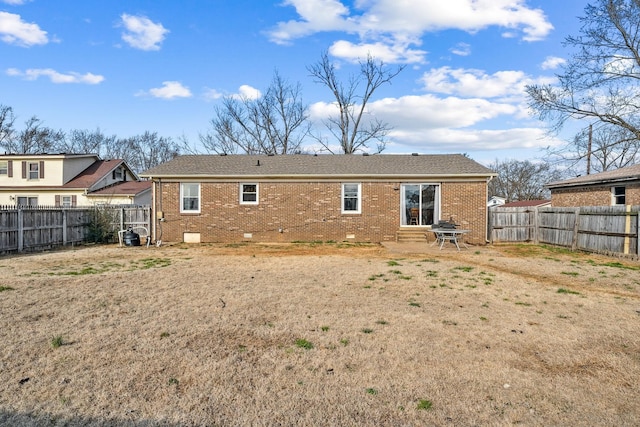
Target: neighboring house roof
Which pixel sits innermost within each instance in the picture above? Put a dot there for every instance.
(308, 166)
(48, 155)
(630, 173)
(94, 173)
(128, 188)
(527, 204)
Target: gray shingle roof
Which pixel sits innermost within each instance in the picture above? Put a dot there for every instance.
(321, 166)
(619, 175)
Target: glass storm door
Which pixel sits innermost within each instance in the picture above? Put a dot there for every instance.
(420, 203)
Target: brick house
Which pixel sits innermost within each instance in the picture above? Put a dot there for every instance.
(361, 198)
(610, 188)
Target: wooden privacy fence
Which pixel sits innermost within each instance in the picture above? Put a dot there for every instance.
(28, 229)
(604, 229)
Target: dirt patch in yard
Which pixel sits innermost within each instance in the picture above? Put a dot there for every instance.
(319, 334)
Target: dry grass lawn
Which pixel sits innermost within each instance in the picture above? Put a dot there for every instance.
(319, 334)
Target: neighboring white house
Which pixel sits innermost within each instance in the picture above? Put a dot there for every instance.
(495, 201)
(69, 180)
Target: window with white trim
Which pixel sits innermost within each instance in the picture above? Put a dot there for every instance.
(248, 194)
(4, 167)
(117, 174)
(618, 196)
(27, 201)
(67, 201)
(190, 197)
(351, 196)
(33, 170)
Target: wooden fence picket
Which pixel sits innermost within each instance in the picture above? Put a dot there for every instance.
(604, 229)
(27, 228)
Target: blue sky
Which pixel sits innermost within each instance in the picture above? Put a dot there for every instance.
(159, 65)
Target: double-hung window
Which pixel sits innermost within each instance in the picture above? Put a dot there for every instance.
(190, 197)
(351, 198)
(248, 194)
(4, 167)
(33, 170)
(618, 196)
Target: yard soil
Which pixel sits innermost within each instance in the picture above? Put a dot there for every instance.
(319, 334)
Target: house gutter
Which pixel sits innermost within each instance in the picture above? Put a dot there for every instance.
(593, 182)
(324, 177)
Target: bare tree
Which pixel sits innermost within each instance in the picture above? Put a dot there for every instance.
(601, 81)
(602, 148)
(354, 127)
(36, 138)
(521, 180)
(274, 123)
(86, 142)
(7, 131)
(142, 152)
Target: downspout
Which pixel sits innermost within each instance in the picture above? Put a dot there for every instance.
(159, 216)
(487, 240)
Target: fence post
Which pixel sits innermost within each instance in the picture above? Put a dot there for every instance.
(535, 225)
(574, 240)
(64, 227)
(638, 232)
(121, 218)
(20, 229)
(489, 225)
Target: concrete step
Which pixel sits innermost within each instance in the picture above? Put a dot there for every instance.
(412, 234)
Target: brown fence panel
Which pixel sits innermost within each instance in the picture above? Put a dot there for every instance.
(27, 229)
(605, 229)
(556, 226)
(512, 224)
(8, 230)
(608, 229)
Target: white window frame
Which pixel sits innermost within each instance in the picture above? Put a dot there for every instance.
(4, 167)
(358, 196)
(183, 196)
(66, 201)
(30, 172)
(243, 192)
(615, 197)
(28, 200)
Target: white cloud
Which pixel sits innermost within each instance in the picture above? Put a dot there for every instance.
(15, 2)
(461, 49)
(425, 112)
(212, 94)
(13, 30)
(477, 83)
(56, 77)
(142, 33)
(315, 16)
(552, 62)
(393, 22)
(389, 53)
(464, 140)
(169, 90)
(465, 117)
(247, 92)
(450, 124)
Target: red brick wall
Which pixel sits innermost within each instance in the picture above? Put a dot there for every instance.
(309, 211)
(592, 196)
(466, 204)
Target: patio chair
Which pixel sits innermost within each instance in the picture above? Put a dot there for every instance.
(414, 214)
